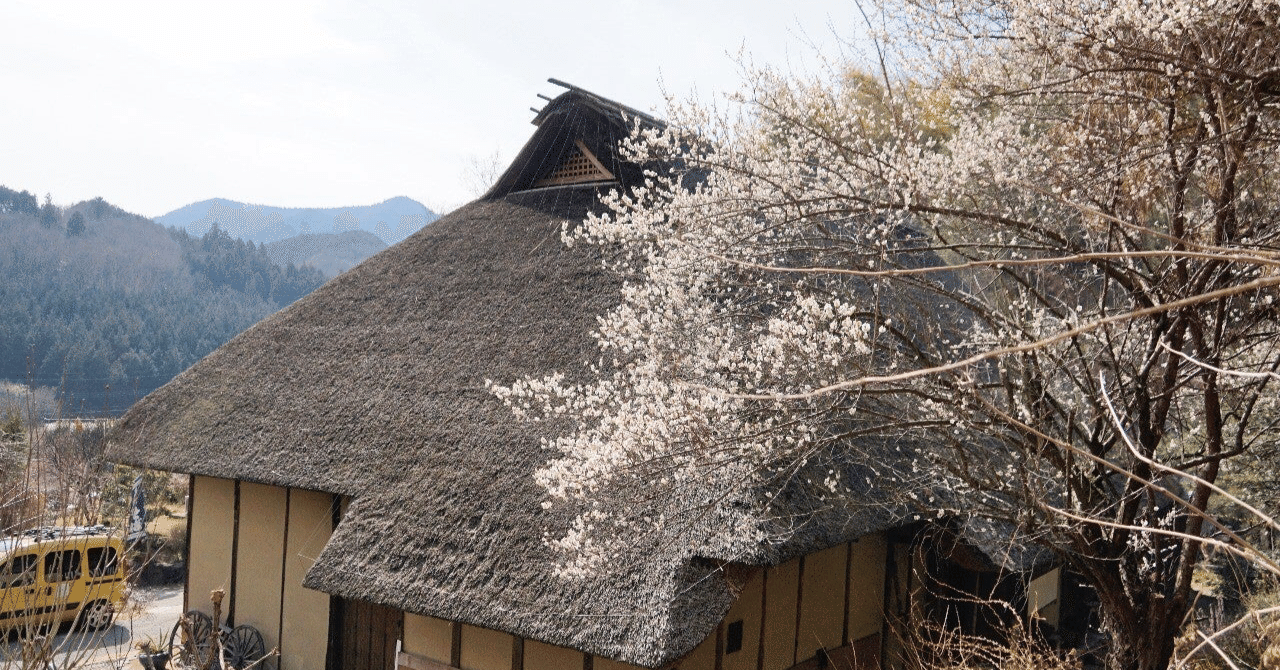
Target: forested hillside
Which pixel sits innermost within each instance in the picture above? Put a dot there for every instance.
(93, 297)
(329, 252)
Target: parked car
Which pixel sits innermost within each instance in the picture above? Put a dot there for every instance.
(54, 575)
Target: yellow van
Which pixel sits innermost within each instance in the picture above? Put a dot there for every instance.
(49, 576)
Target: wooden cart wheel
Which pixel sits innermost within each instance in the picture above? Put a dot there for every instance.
(191, 641)
(242, 647)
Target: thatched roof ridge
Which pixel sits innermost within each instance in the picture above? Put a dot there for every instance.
(599, 103)
(576, 115)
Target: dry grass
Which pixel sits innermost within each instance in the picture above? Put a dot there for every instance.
(930, 646)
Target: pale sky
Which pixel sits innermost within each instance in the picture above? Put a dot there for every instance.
(155, 105)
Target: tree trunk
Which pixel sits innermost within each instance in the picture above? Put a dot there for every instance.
(1138, 637)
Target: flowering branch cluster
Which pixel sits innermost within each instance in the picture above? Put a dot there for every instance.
(912, 289)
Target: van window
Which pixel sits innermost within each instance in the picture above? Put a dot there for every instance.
(18, 571)
(102, 561)
(62, 566)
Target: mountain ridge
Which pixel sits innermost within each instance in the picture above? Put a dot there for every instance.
(391, 220)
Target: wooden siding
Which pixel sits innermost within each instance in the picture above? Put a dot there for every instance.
(428, 637)
(428, 642)
(369, 636)
(703, 657)
(253, 539)
(600, 663)
(539, 656)
(209, 544)
(822, 602)
(866, 587)
(259, 559)
(747, 609)
(484, 649)
(781, 597)
(256, 542)
(305, 621)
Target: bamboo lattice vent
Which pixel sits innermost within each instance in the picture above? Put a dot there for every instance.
(580, 167)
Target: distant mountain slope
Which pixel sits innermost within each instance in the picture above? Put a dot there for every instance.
(331, 254)
(93, 297)
(391, 220)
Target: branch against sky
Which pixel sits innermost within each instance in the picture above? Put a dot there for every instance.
(934, 272)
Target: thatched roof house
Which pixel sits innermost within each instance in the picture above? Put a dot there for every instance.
(348, 444)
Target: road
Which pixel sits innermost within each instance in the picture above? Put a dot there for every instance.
(151, 614)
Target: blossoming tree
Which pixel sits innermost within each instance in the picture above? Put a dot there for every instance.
(1026, 273)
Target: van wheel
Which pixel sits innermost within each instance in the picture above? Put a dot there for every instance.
(97, 615)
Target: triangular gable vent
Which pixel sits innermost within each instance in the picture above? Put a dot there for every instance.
(580, 167)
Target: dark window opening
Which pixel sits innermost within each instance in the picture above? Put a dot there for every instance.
(103, 561)
(18, 571)
(733, 637)
(62, 566)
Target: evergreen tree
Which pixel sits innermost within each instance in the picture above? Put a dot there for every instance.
(49, 214)
(75, 225)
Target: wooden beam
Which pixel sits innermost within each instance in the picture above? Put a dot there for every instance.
(764, 617)
(191, 506)
(720, 646)
(848, 587)
(795, 648)
(455, 646)
(284, 566)
(235, 551)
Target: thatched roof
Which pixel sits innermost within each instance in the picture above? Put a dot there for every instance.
(373, 386)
